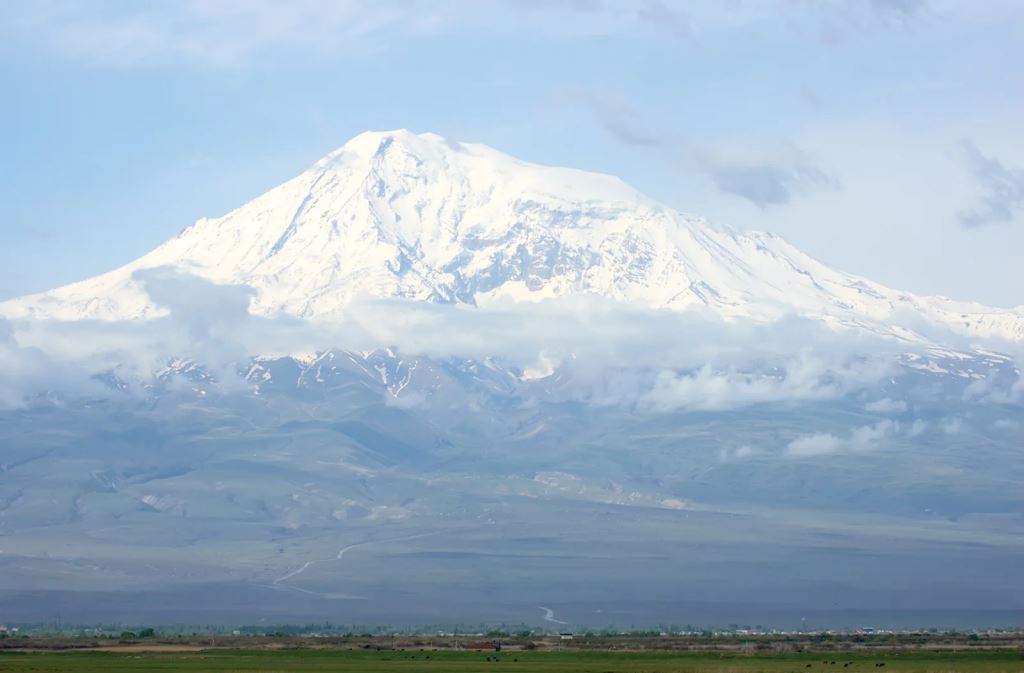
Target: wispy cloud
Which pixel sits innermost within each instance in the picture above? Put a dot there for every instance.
(886, 405)
(766, 181)
(665, 16)
(859, 439)
(902, 7)
(763, 176)
(952, 426)
(208, 32)
(624, 122)
(1006, 424)
(1002, 198)
(232, 33)
(917, 428)
(839, 21)
(997, 389)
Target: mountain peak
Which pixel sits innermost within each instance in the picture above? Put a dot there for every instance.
(401, 156)
(376, 143)
(401, 214)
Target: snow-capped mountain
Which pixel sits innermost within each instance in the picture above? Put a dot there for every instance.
(398, 214)
(137, 470)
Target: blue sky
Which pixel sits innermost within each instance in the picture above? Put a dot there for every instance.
(882, 136)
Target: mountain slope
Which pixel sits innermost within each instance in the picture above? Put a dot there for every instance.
(395, 214)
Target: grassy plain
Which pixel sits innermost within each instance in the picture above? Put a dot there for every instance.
(297, 660)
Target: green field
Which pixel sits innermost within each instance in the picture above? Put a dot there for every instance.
(472, 662)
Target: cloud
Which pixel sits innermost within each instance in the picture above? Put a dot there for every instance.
(582, 349)
(205, 322)
(887, 405)
(29, 372)
(995, 389)
(763, 176)
(818, 444)
(1002, 199)
(605, 353)
(209, 316)
(903, 7)
(917, 428)
(1006, 424)
(19, 367)
(624, 123)
(868, 436)
(952, 426)
(765, 181)
(860, 439)
(234, 33)
(890, 12)
(805, 376)
(839, 21)
(728, 455)
(665, 17)
(208, 32)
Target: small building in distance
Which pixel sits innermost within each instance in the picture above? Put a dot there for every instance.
(487, 646)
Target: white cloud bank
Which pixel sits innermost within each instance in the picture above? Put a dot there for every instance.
(887, 405)
(860, 439)
(602, 353)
